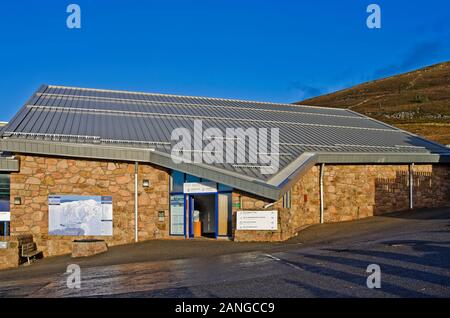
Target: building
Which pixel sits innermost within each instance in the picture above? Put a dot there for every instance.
(106, 156)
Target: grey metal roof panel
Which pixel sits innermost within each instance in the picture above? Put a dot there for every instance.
(136, 120)
(206, 112)
(163, 98)
(158, 129)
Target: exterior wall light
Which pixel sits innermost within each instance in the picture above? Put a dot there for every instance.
(161, 216)
(17, 201)
(146, 183)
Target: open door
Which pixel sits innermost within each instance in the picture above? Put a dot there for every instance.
(206, 205)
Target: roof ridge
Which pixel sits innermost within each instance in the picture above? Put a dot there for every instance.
(202, 97)
(179, 104)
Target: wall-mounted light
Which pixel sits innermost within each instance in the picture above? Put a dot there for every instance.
(146, 183)
(161, 216)
(17, 200)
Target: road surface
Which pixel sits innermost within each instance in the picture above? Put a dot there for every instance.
(412, 250)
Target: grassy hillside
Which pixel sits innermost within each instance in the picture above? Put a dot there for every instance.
(417, 101)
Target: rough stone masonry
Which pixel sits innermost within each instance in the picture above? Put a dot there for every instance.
(350, 192)
(40, 176)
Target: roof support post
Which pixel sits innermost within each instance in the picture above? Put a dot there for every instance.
(136, 166)
(322, 168)
(411, 186)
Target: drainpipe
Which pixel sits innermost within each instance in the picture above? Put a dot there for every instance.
(322, 168)
(411, 186)
(136, 201)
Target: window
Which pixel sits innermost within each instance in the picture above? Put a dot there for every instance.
(161, 216)
(4, 228)
(4, 204)
(224, 188)
(176, 182)
(177, 179)
(190, 178)
(287, 200)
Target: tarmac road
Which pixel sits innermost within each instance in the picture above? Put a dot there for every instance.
(412, 250)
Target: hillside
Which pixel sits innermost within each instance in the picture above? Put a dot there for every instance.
(417, 101)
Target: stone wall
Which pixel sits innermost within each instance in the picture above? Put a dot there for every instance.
(303, 212)
(40, 177)
(359, 191)
(350, 192)
(84, 248)
(431, 185)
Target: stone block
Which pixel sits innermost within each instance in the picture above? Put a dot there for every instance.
(85, 248)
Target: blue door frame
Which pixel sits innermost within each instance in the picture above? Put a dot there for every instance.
(191, 210)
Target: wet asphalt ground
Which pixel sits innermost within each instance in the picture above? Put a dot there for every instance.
(411, 248)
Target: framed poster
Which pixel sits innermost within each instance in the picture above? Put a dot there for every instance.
(71, 215)
(177, 214)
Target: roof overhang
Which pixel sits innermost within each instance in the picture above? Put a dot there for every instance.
(273, 189)
(383, 158)
(117, 153)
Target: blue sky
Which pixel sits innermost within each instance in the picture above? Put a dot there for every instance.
(281, 51)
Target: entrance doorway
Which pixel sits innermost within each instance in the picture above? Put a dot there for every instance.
(203, 207)
(212, 200)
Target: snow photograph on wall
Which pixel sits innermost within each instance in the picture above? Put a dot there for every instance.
(80, 215)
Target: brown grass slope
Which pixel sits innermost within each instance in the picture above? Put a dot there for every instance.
(418, 101)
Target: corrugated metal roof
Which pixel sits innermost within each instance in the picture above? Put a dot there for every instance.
(57, 114)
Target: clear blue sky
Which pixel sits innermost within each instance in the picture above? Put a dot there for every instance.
(281, 51)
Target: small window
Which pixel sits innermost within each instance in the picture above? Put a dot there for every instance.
(287, 200)
(224, 188)
(190, 178)
(4, 228)
(176, 181)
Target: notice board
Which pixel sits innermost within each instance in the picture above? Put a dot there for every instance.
(257, 220)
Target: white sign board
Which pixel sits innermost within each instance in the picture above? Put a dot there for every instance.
(73, 215)
(5, 216)
(199, 187)
(257, 220)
